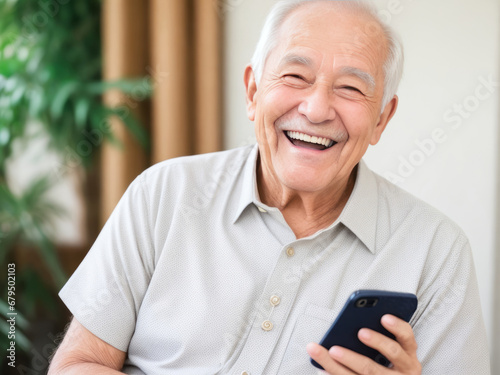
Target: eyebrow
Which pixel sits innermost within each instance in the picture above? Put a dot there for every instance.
(364, 76)
(292, 59)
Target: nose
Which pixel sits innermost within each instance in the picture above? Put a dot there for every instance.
(317, 106)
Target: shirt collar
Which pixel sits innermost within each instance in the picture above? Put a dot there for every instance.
(249, 192)
(359, 214)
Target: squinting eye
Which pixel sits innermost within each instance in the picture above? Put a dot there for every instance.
(295, 80)
(293, 76)
(351, 88)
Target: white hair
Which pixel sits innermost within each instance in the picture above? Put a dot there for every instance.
(393, 66)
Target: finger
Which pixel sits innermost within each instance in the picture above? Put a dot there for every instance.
(401, 353)
(402, 331)
(388, 347)
(323, 357)
(357, 363)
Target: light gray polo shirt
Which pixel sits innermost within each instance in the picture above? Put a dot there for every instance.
(192, 274)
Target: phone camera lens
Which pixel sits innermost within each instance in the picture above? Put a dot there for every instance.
(361, 302)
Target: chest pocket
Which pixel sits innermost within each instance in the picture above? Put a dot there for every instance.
(310, 326)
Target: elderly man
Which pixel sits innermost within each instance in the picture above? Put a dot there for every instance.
(238, 262)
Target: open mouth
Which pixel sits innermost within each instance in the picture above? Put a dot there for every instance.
(309, 141)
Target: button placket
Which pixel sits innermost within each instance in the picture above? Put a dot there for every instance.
(281, 289)
(267, 325)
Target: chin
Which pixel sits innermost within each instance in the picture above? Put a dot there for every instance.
(310, 181)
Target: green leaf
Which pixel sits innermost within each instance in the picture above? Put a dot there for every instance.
(61, 97)
(50, 256)
(17, 95)
(4, 136)
(126, 85)
(51, 74)
(82, 107)
(36, 101)
(133, 125)
(22, 342)
(36, 292)
(21, 321)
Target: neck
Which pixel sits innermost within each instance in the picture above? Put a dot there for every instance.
(306, 212)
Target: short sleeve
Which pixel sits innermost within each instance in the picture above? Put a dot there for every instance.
(106, 291)
(450, 329)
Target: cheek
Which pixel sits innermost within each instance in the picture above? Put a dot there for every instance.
(278, 101)
(358, 120)
(271, 105)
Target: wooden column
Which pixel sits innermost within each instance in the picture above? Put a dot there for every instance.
(171, 114)
(125, 55)
(207, 35)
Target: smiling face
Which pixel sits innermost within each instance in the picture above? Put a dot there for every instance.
(317, 107)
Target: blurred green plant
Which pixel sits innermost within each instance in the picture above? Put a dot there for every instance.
(50, 74)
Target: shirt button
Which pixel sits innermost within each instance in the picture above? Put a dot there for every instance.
(275, 300)
(290, 252)
(245, 373)
(261, 209)
(267, 325)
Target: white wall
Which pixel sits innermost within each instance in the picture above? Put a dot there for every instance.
(452, 49)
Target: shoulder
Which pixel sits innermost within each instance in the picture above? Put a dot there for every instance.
(400, 211)
(186, 171)
(188, 184)
(203, 163)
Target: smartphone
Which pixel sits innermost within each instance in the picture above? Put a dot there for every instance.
(364, 309)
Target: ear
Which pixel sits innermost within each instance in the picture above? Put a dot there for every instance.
(251, 90)
(385, 117)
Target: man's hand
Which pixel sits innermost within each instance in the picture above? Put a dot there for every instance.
(402, 353)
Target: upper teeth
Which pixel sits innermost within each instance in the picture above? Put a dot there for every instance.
(310, 138)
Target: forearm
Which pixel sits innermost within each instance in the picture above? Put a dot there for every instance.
(83, 353)
(81, 368)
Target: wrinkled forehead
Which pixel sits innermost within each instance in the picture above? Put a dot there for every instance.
(333, 14)
(334, 27)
